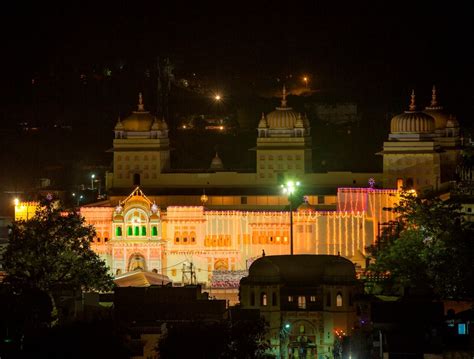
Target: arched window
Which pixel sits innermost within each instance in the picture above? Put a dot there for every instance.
(118, 272)
(252, 299)
(177, 236)
(302, 302)
(143, 230)
(339, 300)
(154, 231)
(130, 231)
(263, 299)
(137, 231)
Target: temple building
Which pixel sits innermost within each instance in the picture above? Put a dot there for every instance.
(423, 147)
(208, 227)
(308, 301)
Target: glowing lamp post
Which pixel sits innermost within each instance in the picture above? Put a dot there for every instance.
(92, 181)
(289, 188)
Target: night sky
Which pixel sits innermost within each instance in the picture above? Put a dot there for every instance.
(373, 53)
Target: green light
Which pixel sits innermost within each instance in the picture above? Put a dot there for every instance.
(287, 326)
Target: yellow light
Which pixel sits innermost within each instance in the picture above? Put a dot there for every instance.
(221, 127)
(217, 97)
(16, 201)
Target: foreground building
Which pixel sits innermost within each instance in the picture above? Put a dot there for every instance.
(306, 299)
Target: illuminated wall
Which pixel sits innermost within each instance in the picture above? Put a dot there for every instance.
(138, 234)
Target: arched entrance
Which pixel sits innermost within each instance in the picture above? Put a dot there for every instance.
(302, 340)
(136, 261)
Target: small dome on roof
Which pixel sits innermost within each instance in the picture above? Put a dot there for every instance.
(306, 206)
(216, 162)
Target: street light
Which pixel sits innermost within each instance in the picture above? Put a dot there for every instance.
(305, 80)
(92, 181)
(289, 188)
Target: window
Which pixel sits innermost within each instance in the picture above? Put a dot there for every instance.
(312, 298)
(137, 231)
(118, 231)
(130, 231)
(252, 299)
(302, 330)
(143, 231)
(339, 300)
(290, 299)
(263, 299)
(328, 299)
(320, 199)
(243, 200)
(154, 231)
(302, 302)
(274, 299)
(462, 329)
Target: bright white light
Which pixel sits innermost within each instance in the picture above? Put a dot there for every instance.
(92, 175)
(217, 97)
(16, 201)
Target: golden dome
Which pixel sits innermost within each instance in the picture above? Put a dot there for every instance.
(412, 121)
(436, 111)
(283, 116)
(139, 120)
(306, 206)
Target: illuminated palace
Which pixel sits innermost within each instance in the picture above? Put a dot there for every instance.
(158, 220)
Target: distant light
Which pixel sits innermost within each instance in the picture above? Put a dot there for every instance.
(16, 201)
(221, 127)
(217, 97)
(287, 326)
(184, 126)
(92, 175)
(73, 194)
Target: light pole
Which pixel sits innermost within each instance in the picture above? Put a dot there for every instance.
(92, 181)
(289, 188)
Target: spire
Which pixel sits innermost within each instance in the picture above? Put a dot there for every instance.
(434, 102)
(141, 107)
(412, 101)
(283, 100)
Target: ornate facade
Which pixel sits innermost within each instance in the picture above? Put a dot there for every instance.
(138, 233)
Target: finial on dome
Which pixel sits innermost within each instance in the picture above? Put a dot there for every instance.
(283, 100)
(141, 107)
(434, 102)
(412, 101)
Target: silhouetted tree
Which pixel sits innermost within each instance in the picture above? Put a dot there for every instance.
(433, 246)
(51, 252)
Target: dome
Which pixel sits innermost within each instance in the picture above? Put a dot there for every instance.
(436, 111)
(306, 206)
(263, 122)
(139, 120)
(452, 122)
(216, 162)
(284, 117)
(339, 270)
(412, 121)
(302, 269)
(119, 125)
(263, 269)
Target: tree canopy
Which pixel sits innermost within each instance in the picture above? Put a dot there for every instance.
(430, 244)
(52, 251)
